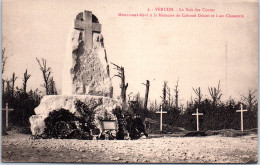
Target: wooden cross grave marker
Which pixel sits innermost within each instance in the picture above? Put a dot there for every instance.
(89, 27)
(161, 112)
(197, 116)
(241, 111)
(6, 114)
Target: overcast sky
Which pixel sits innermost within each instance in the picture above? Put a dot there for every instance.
(198, 51)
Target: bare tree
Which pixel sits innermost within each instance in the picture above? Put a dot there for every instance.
(3, 86)
(5, 56)
(170, 97)
(146, 93)
(4, 59)
(123, 86)
(46, 71)
(164, 102)
(52, 87)
(155, 104)
(191, 100)
(198, 93)
(26, 77)
(189, 103)
(176, 90)
(13, 79)
(250, 99)
(215, 94)
(7, 86)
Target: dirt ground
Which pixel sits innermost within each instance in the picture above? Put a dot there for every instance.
(17, 147)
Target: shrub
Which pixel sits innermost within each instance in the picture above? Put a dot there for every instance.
(59, 124)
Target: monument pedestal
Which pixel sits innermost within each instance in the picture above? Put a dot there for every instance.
(102, 108)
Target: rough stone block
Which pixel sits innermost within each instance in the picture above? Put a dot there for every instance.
(102, 106)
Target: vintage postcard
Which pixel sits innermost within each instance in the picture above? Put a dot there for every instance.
(130, 81)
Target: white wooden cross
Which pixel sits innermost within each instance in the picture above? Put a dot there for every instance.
(161, 112)
(197, 114)
(241, 111)
(6, 114)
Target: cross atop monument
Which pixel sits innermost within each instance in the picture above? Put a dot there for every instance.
(85, 23)
(197, 115)
(241, 110)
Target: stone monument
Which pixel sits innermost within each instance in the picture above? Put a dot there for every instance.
(86, 77)
(86, 69)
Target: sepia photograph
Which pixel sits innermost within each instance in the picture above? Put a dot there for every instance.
(136, 81)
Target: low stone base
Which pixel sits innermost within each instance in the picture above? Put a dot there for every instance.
(101, 106)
